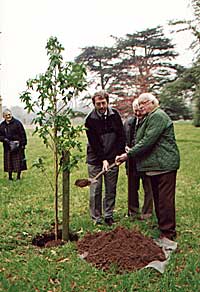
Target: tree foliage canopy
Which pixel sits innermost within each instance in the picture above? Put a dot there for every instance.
(139, 62)
(187, 83)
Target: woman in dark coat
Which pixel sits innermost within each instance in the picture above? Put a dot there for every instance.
(13, 136)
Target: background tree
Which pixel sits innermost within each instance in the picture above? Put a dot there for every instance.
(189, 80)
(146, 65)
(49, 96)
(99, 62)
(175, 102)
(175, 97)
(139, 62)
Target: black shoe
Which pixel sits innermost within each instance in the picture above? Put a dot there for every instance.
(10, 175)
(98, 222)
(109, 221)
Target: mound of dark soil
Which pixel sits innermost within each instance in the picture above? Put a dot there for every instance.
(126, 250)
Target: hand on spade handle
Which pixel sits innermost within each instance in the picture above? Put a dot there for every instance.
(105, 165)
(105, 169)
(121, 158)
(86, 182)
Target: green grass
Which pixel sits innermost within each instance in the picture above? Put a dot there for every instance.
(26, 209)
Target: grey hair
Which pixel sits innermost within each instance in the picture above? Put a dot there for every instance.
(6, 111)
(148, 97)
(135, 104)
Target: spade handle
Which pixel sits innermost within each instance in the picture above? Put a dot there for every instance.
(103, 171)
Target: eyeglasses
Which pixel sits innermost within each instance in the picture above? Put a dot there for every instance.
(143, 103)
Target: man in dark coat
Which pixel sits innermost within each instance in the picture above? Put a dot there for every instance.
(130, 126)
(105, 139)
(13, 136)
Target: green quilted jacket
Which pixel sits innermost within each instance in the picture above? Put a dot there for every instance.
(156, 148)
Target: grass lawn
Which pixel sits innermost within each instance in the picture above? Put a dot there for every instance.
(26, 209)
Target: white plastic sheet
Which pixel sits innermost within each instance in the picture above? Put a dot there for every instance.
(168, 246)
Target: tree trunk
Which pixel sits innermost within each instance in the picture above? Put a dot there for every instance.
(56, 172)
(56, 196)
(65, 211)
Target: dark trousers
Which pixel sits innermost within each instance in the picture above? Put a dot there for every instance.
(133, 194)
(164, 186)
(133, 190)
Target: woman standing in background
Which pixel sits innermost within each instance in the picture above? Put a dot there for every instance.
(13, 136)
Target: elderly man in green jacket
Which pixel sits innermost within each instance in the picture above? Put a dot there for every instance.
(157, 156)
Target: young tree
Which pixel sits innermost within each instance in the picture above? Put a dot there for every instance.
(49, 96)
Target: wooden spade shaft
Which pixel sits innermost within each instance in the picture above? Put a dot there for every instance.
(103, 171)
(86, 182)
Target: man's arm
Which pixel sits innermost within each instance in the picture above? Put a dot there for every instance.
(155, 127)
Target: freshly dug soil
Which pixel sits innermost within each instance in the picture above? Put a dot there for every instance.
(125, 250)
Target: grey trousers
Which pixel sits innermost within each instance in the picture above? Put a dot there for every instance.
(110, 184)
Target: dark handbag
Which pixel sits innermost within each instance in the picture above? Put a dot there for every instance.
(14, 145)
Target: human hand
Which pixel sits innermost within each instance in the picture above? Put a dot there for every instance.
(127, 149)
(121, 158)
(105, 165)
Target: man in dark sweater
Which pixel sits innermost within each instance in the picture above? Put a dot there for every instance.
(106, 139)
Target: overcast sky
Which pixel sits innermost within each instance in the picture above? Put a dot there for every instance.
(26, 26)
